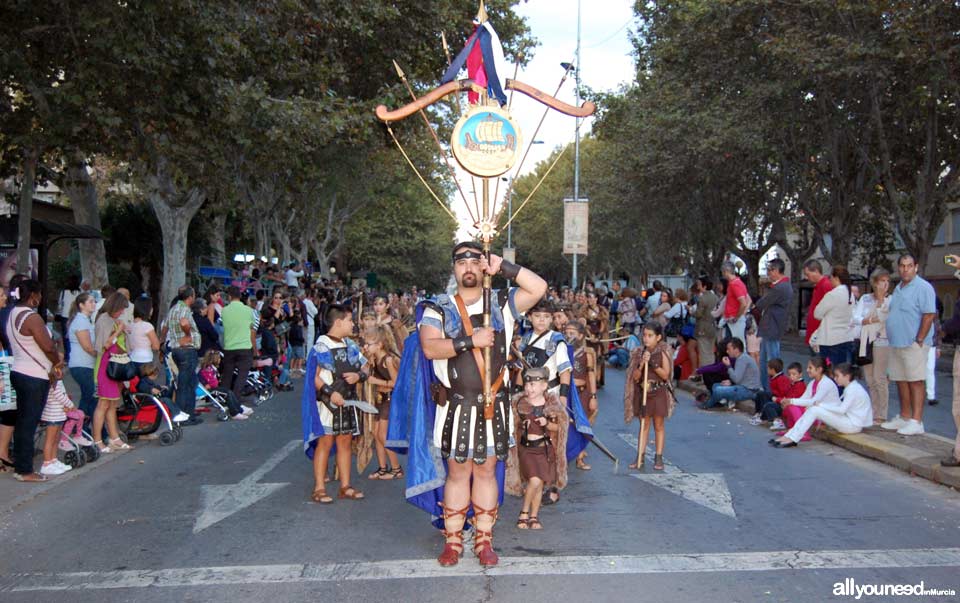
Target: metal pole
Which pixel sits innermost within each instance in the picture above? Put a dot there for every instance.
(576, 147)
(509, 215)
(487, 303)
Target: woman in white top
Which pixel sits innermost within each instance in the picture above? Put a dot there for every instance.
(142, 340)
(871, 315)
(84, 356)
(679, 307)
(67, 296)
(659, 313)
(833, 339)
(847, 414)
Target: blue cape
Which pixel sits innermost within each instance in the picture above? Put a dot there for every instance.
(312, 428)
(410, 430)
(579, 438)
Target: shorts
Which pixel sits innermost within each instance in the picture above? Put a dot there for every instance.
(52, 423)
(297, 352)
(908, 364)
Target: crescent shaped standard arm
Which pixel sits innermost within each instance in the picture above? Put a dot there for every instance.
(585, 110)
(383, 114)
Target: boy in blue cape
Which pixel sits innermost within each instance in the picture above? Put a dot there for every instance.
(335, 366)
(456, 440)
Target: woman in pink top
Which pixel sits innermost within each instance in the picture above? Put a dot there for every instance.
(35, 362)
(107, 330)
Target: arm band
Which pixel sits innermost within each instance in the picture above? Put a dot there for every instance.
(326, 390)
(461, 344)
(363, 377)
(565, 390)
(509, 270)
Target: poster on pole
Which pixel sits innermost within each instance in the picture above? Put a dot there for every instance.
(576, 222)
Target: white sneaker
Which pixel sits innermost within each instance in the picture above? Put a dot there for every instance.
(63, 465)
(53, 468)
(895, 423)
(756, 420)
(240, 417)
(913, 427)
(181, 417)
(777, 425)
(246, 410)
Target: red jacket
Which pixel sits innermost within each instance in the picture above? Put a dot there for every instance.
(796, 390)
(779, 386)
(823, 287)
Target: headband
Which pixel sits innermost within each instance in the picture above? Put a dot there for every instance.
(527, 378)
(467, 255)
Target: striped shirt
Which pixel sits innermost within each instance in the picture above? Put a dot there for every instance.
(175, 331)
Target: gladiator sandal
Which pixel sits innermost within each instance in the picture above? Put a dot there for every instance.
(483, 548)
(453, 548)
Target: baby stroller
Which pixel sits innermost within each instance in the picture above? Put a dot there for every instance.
(76, 444)
(142, 414)
(259, 381)
(206, 399)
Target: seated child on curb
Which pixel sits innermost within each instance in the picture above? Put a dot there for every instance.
(788, 416)
(210, 378)
(147, 384)
(768, 401)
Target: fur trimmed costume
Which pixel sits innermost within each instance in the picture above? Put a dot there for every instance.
(524, 459)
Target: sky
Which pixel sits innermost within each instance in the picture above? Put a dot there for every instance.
(606, 64)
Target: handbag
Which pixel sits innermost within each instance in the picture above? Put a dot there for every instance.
(120, 367)
(281, 328)
(8, 395)
(676, 324)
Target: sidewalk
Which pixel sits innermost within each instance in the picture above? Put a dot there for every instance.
(917, 455)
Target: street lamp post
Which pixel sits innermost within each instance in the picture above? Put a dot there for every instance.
(576, 144)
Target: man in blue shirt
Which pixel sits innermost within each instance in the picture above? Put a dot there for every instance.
(913, 307)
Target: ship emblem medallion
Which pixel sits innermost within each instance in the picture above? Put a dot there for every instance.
(486, 141)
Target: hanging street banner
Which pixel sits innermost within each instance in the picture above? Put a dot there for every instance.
(576, 224)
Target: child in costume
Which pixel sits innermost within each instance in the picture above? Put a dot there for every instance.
(657, 357)
(538, 461)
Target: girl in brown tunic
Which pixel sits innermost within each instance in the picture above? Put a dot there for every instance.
(380, 349)
(385, 317)
(656, 355)
(538, 460)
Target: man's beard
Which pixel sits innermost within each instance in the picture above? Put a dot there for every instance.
(469, 280)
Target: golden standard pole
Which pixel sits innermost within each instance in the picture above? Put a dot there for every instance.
(487, 293)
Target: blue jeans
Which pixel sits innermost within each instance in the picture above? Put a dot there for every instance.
(88, 393)
(837, 354)
(187, 379)
(769, 349)
(730, 393)
(619, 358)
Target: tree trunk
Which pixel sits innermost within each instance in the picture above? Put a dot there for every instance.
(86, 211)
(174, 226)
(25, 212)
(218, 242)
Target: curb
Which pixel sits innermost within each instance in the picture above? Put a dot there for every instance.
(906, 458)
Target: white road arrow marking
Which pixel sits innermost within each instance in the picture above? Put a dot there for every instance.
(220, 502)
(706, 489)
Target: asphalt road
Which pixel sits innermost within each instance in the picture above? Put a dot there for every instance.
(732, 520)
